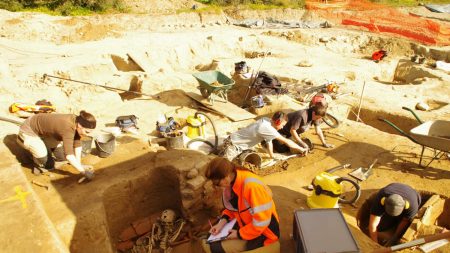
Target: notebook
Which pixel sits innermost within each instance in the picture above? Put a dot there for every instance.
(223, 233)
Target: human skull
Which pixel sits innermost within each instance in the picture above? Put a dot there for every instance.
(168, 216)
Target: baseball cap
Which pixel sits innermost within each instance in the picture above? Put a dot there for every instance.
(394, 205)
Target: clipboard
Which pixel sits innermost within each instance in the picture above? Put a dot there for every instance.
(223, 234)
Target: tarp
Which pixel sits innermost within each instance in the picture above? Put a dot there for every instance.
(272, 23)
(441, 8)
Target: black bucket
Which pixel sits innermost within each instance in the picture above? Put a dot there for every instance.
(105, 144)
(86, 145)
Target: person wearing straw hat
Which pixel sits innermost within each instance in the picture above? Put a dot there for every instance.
(392, 211)
(43, 133)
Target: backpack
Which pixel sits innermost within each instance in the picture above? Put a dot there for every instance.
(266, 83)
(127, 121)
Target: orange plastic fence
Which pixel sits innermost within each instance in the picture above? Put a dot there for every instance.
(383, 19)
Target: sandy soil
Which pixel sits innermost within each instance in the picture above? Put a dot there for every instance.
(170, 48)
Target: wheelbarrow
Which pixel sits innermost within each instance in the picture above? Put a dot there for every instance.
(214, 84)
(433, 134)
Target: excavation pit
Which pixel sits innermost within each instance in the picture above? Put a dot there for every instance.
(372, 118)
(443, 221)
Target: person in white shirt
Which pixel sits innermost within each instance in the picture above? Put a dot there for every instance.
(264, 129)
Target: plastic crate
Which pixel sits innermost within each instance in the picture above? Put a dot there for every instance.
(322, 230)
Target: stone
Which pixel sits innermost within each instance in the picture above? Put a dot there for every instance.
(431, 210)
(192, 174)
(188, 203)
(142, 226)
(187, 194)
(127, 234)
(196, 182)
(304, 63)
(124, 246)
(411, 232)
(324, 39)
(422, 106)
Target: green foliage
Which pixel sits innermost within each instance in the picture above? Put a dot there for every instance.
(64, 7)
(11, 5)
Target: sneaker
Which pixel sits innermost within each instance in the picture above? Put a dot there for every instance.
(38, 171)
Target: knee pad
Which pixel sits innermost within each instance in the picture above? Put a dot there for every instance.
(40, 162)
(58, 152)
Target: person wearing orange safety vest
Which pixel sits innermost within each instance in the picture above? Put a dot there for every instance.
(248, 200)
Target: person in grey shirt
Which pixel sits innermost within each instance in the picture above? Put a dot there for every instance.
(264, 129)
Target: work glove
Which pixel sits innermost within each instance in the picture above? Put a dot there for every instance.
(392, 241)
(87, 174)
(327, 145)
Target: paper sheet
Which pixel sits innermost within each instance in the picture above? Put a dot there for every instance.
(223, 233)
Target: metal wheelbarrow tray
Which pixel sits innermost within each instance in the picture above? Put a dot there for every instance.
(214, 83)
(433, 134)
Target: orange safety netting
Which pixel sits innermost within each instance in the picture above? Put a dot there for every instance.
(381, 18)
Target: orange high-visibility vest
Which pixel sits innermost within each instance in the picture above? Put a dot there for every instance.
(255, 207)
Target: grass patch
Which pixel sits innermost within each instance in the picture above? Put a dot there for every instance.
(65, 7)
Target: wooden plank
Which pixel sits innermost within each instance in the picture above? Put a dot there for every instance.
(140, 61)
(230, 110)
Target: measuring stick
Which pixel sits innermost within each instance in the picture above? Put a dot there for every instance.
(360, 102)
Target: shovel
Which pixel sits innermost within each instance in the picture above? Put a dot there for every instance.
(361, 173)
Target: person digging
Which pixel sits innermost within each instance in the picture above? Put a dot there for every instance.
(391, 213)
(42, 134)
(299, 122)
(263, 130)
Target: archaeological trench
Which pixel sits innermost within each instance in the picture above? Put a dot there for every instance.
(144, 176)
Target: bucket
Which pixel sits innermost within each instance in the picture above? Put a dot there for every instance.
(86, 146)
(250, 157)
(196, 126)
(175, 140)
(257, 101)
(105, 144)
(326, 191)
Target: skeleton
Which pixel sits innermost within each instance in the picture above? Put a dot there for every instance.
(165, 231)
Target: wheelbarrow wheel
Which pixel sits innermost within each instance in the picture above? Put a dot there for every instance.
(205, 92)
(351, 191)
(330, 120)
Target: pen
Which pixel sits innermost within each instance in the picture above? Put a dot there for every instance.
(210, 223)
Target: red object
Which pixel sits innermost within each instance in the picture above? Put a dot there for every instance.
(379, 55)
(318, 98)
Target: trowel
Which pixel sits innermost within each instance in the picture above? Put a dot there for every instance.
(361, 173)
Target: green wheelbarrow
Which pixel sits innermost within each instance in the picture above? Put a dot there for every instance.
(433, 134)
(214, 84)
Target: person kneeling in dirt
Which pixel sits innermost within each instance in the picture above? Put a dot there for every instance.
(248, 200)
(263, 129)
(391, 213)
(241, 74)
(298, 122)
(43, 133)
